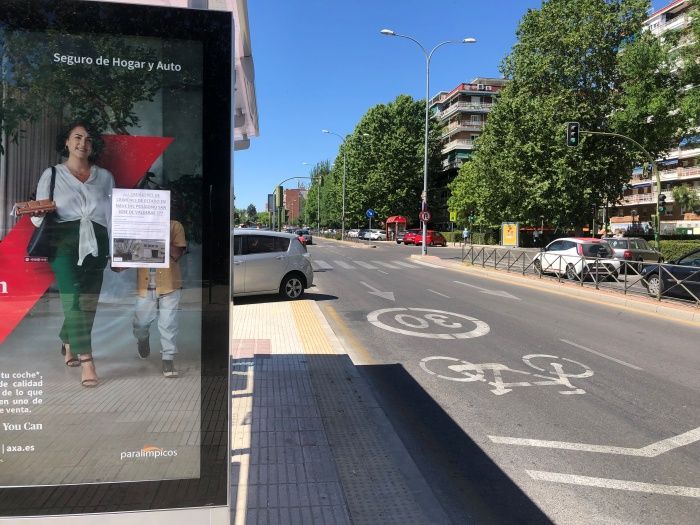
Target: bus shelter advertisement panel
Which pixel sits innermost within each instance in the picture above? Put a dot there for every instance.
(100, 336)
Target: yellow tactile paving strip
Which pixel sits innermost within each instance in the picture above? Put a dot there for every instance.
(313, 338)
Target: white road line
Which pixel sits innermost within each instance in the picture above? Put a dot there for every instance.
(322, 265)
(650, 451)
(438, 293)
(429, 265)
(619, 361)
(345, 265)
(386, 265)
(365, 265)
(382, 271)
(617, 484)
(405, 264)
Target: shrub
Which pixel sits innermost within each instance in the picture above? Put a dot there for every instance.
(673, 249)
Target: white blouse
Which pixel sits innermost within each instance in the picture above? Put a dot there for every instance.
(80, 201)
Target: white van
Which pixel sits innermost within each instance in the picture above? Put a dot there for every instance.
(267, 262)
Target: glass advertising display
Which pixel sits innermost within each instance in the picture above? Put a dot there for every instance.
(114, 256)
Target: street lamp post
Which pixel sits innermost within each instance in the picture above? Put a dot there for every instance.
(428, 56)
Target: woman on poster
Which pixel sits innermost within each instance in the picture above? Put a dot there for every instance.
(82, 194)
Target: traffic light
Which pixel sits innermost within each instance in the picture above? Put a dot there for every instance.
(572, 134)
(662, 203)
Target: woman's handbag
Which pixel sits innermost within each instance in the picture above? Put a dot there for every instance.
(41, 242)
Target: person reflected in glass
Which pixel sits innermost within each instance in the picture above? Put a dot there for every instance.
(82, 194)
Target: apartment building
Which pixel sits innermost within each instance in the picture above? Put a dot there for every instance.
(680, 166)
(463, 112)
(294, 203)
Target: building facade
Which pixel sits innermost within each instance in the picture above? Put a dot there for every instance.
(463, 112)
(294, 204)
(680, 166)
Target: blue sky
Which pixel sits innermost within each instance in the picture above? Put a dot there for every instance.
(321, 64)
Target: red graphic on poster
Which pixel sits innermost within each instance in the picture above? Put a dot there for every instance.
(128, 158)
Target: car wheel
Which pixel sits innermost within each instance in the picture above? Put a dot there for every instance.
(292, 287)
(654, 286)
(538, 266)
(398, 242)
(432, 243)
(571, 274)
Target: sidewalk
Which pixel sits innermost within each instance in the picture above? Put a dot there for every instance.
(310, 443)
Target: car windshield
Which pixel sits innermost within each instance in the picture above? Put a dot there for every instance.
(599, 249)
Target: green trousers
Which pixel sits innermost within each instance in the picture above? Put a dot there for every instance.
(78, 286)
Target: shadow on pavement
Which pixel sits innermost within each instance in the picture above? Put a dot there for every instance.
(318, 444)
(464, 479)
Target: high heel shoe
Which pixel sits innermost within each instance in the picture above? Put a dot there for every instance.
(91, 382)
(73, 361)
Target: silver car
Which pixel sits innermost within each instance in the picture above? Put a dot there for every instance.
(633, 249)
(267, 262)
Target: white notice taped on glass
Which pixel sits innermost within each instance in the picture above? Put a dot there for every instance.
(140, 228)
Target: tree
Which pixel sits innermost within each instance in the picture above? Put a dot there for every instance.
(264, 218)
(385, 161)
(251, 213)
(320, 182)
(687, 198)
(566, 66)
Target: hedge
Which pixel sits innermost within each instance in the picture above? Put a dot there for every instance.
(673, 249)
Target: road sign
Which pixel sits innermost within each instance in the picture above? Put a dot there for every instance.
(370, 213)
(425, 216)
(453, 216)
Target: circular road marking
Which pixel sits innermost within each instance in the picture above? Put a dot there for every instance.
(430, 318)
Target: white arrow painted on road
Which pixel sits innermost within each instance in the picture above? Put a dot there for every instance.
(375, 291)
(650, 451)
(498, 293)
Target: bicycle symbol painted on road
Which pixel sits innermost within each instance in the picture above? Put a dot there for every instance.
(437, 324)
(466, 372)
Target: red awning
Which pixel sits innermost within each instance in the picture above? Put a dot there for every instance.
(396, 219)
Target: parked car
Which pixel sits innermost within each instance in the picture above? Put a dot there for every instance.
(677, 278)
(306, 235)
(376, 235)
(433, 238)
(362, 233)
(577, 258)
(400, 236)
(410, 236)
(267, 262)
(633, 249)
(352, 234)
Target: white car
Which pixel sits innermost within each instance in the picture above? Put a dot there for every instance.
(578, 258)
(267, 262)
(376, 235)
(352, 234)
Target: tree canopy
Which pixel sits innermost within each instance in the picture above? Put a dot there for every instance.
(384, 169)
(586, 61)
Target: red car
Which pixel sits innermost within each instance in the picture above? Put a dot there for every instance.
(434, 238)
(409, 236)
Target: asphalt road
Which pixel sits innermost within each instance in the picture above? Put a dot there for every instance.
(518, 403)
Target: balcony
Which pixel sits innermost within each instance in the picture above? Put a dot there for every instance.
(641, 198)
(463, 107)
(457, 144)
(680, 173)
(462, 126)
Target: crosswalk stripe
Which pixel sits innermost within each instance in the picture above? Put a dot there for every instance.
(365, 265)
(405, 264)
(387, 265)
(322, 265)
(345, 265)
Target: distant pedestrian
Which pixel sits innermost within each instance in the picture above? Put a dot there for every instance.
(465, 235)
